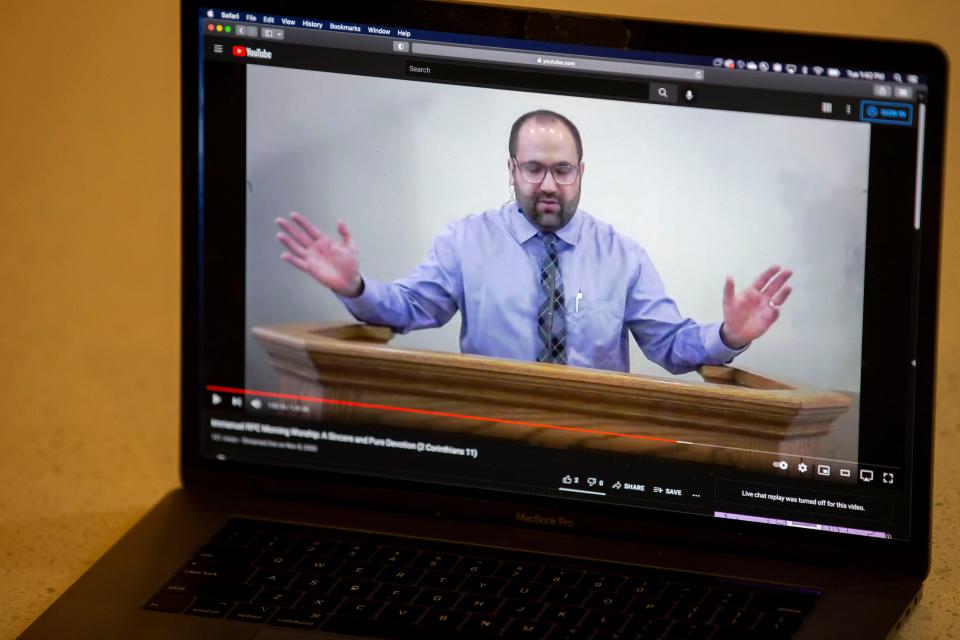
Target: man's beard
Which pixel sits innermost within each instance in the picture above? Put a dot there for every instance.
(548, 212)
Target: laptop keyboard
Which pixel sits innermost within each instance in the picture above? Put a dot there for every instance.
(311, 578)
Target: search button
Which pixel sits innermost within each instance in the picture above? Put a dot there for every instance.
(663, 92)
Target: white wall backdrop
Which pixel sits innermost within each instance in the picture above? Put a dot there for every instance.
(707, 193)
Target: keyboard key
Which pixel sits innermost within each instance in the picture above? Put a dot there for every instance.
(608, 601)
(483, 585)
(277, 597)
(359, 608)
(353, 551)
(485, 624)
(324, 566)
(608, 634)
(477, 566)
(644, 587)
(729, 633)
(297, 619)
(788, 602)
(169, 602)
(605, 620)
(652, 608)
(440, 580)
(227, 555)
(694, 612)
(275, 542)
(233, 537)
(601, 582)
(436, 561)
(271, 578)
(400, 575)
(441, 620)
(646, 627)
(521, 609)
(559, 595)
(736, 618)
(560, 577)
(525, 591)
(216, 571)
(479, 603)
(365, 570)
(684, 593)
(213, 589)
(783, 623)
(308, 582)
(516, 572)
(728, 598)
(401, 613)
(355, 588)
(251, 613)
(435, 598)
(277, 561)
(314, 546)
(690, 631)
(395, 557)
(208, 608)
(322, 603)
(399, 594)
(561, 614)
(570, 633)
(527, 629)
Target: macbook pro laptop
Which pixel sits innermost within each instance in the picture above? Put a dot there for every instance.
(503, 323)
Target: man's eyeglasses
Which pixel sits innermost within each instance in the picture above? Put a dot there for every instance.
(564, 173)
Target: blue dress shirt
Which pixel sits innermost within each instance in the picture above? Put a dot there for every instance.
(487, 266)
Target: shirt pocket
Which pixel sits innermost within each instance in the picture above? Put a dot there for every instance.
(597, 337)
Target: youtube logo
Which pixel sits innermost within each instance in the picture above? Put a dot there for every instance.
(252, 52)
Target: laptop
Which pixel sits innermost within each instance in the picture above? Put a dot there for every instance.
(503, 323)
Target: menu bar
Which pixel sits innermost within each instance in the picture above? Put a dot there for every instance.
(717, 63)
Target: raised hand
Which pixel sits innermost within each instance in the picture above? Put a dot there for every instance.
(748, 314)
(332, 264)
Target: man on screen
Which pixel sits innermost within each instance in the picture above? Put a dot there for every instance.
(540, 279)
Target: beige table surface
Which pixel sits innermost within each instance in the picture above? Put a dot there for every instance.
(89, 269)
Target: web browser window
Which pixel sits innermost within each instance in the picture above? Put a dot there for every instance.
(638, 279)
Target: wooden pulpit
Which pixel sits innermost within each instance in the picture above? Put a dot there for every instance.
(348, 374)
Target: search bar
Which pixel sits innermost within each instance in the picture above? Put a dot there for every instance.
(554, 61)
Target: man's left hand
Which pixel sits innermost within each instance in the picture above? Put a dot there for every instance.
(748, 314)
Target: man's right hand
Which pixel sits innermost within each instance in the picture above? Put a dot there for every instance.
(332, 264)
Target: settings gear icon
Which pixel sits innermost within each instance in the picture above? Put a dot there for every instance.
(802, 467)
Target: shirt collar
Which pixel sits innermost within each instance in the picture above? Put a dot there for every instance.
(522, 230)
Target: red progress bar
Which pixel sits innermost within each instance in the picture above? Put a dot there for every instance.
(444, 414)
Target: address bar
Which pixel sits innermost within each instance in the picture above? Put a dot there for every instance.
(551, 60)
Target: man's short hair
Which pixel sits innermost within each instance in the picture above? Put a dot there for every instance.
(543, 114)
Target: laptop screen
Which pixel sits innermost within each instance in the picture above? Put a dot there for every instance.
(646, 279)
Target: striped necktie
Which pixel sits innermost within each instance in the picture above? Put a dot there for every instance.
(551, 319)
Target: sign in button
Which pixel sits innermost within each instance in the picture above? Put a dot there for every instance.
(886, 112)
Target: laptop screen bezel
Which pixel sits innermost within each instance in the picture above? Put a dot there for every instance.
(197, 471)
